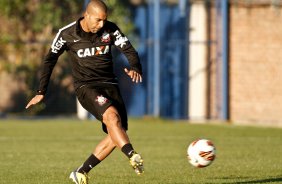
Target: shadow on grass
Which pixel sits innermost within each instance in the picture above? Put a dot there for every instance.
(270, 180)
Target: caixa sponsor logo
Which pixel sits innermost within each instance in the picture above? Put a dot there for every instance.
(93, 51)
(58, 45)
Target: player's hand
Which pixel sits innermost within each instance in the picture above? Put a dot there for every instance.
(135, 76)
(35, 100)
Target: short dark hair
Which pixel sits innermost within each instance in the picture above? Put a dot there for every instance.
(99, 4)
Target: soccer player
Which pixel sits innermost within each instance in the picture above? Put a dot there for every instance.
(88, 42)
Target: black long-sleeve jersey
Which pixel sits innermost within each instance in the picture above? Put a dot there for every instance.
(90, 54)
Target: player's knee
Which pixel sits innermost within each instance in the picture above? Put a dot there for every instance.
(112, 119)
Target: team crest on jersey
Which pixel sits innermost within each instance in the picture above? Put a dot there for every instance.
(106, 38)
(101, 100)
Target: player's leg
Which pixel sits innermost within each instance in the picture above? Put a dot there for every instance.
(102, 150)
(112, 120)
(103, 102)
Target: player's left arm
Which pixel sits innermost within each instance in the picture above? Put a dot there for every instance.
(124, 45)
(135, 76)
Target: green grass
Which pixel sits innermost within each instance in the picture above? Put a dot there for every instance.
(46, 151)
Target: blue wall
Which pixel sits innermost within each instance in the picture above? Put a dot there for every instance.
(173, 62)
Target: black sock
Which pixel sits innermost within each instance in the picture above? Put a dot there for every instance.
(91, 162)
(128, 150)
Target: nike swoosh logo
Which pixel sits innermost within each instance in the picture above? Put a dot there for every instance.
(76, 40)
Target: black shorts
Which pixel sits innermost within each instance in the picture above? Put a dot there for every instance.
(96, 98)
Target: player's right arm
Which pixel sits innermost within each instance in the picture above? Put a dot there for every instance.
(57, 48)
(36, 99)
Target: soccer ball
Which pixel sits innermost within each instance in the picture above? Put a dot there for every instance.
(201, 153)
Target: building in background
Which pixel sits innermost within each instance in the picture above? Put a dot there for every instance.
(230, 68)
(250, 81)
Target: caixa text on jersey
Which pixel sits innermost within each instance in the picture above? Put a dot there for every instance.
(93, 51)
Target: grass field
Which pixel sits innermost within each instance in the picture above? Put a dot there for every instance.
(46, 151)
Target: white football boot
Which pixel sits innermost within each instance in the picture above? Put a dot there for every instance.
(79, 178)
(136, 162)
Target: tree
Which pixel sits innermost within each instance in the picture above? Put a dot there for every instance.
(29, 29)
